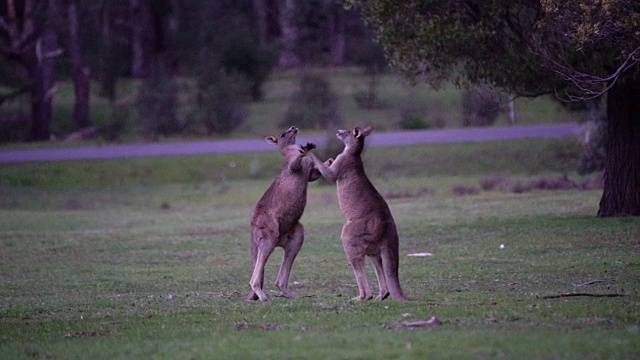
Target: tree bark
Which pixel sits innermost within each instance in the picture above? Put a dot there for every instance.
(43, 85)
(338, 37)
(621, 195)
(511, 112)
(139, 23)
(80, 70)
(262, 21)
(288, 57)
(108, 76)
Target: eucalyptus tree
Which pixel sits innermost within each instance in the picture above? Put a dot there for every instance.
(576, 49)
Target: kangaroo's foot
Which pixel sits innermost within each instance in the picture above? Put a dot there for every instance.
(257, 294)
(382, 296)
(361, 298)
(287, 293)
(254, 297)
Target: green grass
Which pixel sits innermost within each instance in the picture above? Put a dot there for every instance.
(119, 265)
(518, 157)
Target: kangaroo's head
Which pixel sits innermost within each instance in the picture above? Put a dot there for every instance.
(354, 139)
(285, 139)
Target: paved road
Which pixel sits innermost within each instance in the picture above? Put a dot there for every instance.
(382, 139)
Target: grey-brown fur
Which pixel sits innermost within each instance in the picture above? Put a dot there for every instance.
(370, 229)
(275, 219)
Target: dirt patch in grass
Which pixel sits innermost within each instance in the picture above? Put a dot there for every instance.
(540, 183)
(409, 194)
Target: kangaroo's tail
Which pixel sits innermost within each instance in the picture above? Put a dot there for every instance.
(390, 264)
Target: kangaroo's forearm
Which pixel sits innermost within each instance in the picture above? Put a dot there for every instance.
(325, 170)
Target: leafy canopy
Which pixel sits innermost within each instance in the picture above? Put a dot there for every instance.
(525, 46)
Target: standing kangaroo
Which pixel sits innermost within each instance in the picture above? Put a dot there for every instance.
(369, 229)
(275, 219)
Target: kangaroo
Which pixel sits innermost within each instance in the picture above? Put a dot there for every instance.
(370, 229)
(275, 219)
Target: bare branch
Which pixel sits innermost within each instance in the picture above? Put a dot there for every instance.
(573, 294)
(590, 85)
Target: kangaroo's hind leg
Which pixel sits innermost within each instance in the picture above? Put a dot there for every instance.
(265, 243)
(291, 243)
(376, 261)
(254, 254)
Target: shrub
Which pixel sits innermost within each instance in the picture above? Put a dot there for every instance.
(494, 182)
(369, 98)
(157, 102)
(462, 190)
(14, 126)
(413, 116)
(481, 106)
(370, 56)
(242, 54)
(221, 101)
(116, 124)
(314, 105)
(312, 20)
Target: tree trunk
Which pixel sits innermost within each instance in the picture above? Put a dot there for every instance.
(80, 72)
(338, 38)
(511, 113)
(262, 21)
(288, 57)
(138, 21)
(43, 86)
(108, 76)
(621, 196)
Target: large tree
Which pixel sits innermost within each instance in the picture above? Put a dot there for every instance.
(578, 49)
(30, 43)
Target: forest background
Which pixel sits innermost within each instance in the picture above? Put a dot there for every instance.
(129, 69)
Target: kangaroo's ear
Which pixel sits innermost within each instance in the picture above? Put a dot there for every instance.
(271, 140)
(357, 132)
(366, 131)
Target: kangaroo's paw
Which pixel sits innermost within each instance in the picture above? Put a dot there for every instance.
(306, 148)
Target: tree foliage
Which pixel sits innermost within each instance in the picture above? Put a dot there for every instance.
(578, 49)
(524, 46)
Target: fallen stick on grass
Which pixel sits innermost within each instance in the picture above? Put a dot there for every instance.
(434, 321)
(573, 294)
(589, 283)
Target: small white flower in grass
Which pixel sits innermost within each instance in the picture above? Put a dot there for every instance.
(502, 246)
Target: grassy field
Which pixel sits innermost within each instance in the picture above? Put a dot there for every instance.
(148, 258)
